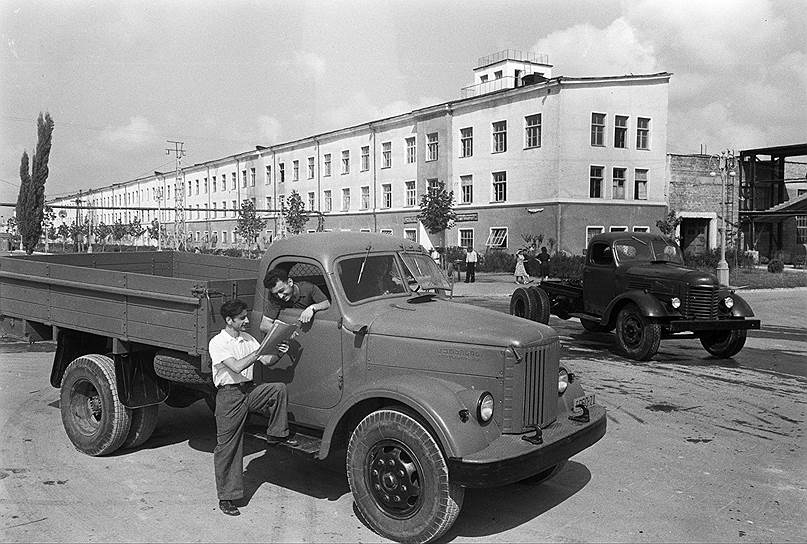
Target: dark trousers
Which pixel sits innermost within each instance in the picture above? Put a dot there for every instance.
(233, 405)
(470, 272)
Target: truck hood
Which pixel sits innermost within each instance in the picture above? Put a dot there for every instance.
(673, 272)
(445, 321)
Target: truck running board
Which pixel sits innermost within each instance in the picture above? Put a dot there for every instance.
(306, 445)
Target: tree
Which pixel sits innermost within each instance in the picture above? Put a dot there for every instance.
(78, 233)
(294, 213)
(249, 225)
(156, 231)
(437, 209)
(135, 229)
(119, 232)
(668, 225)
(102, 232)
(48, 217)
(31, 198)
(64, 233)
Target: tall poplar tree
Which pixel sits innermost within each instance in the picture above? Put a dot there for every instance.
(31, 199)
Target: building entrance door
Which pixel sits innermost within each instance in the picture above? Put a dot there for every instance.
(695, 235)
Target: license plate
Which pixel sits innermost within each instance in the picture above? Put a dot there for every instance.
(587, 401)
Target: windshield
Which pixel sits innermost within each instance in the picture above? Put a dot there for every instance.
(635, 250)
(422, 274)
(371, 276)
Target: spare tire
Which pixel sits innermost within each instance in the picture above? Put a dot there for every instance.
(181, 368)
(523, 303)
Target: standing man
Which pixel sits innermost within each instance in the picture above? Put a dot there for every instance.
(232, 353)
(470, 265)
(284, 292)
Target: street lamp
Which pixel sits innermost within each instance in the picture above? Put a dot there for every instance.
(725, 163)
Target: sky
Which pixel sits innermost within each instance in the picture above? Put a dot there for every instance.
(120, 78)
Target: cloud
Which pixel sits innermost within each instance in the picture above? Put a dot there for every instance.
(269, 130)
(313, 64)
(138, 133)
(361, 109)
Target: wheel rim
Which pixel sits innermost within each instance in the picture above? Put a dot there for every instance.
(518, 309)
(395, 479)
(632, 331)
(86, 407)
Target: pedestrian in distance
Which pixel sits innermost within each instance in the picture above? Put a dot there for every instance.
(471, 258)
(520, 272)
(544, 259)
(233, 352)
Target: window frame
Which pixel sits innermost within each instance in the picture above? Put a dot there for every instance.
(432, 146)
(637, 182)
(502, 183)
(459, 237)
(467, 186)
(411, 150)
(364, 164)
(499, 136)
(466, 142)
(327, 165)
(643, 134)
(386, 195)
(411, 193)
(621, 131)
(501, 235)
(345, 161)
(386, 154)
(532, 131)
(592, 178)
(615, 179)
(598, 129)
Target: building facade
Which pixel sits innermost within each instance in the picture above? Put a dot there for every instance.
(525, 153)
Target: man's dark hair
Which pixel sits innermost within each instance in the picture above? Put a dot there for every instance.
(232, 308)
(273, 275)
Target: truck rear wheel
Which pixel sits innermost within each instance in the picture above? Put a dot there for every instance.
(638, 338)
(399, 478)
(144, 421)
(524, 303)
(93, 416)
(724, 344)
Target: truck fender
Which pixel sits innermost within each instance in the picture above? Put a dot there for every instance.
(438, 402)
(649, 305)
(741, 308)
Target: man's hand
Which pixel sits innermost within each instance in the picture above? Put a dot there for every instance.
(307, 314)
(271, 360)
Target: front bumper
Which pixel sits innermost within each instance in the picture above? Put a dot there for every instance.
(682, 325)
(510, 459)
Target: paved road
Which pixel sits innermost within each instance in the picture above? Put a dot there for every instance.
(697, 450)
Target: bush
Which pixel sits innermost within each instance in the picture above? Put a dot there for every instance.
(454, 254)
(763, 259)
(566, 266)
(497, 261)
(776, 266)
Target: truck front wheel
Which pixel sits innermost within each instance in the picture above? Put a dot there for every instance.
(724, 344)
(95, 419)
(637, 337)
(399, 478)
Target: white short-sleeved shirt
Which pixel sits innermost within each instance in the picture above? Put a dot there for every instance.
(223, 346)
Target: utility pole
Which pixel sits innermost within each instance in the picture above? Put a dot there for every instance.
(78, 202)
(180, 227)
(725, 163)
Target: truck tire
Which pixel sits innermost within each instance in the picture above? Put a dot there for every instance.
(524, 303)
(94, 418)
(399, 478)
(181, 368)
(724, 344)
(542, 307)
(144, 421)
(592, 326)
(545, 475)
(637, 337)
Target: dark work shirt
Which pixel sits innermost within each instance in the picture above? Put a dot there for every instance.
(305, 294)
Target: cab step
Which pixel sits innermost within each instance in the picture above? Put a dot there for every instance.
(306, 445)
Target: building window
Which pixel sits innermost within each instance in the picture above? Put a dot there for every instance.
(618, 184)
(365, 158)
(224, 208)
(346, 162)
(223, 183)
(295, 170)
(618, 229)
(497, 74)
(213, 185)
(595, 182)
(640, 184)
(388, 232)
(281, 200)
(386, 155)
(411, 235)
(224, 234)
(591, 232)
(499, 186)
(532, 131)
(411, 194)
(641, 229)
(386, 198)
(365, 197)
(282, 167)
(268, 179)
(499, 136)
(328, 201)
(801, 229)
(197, 189)
(433, 185)
(269, 203)
(643, 133)
(431, 146)
(235, 208)
(598, 129)
(243, 178)
(466, 238)
(310, 167)
(311, 200)
(214, 211)
(410, 150)
(204, 186)
(497, 238)
(327, 165)
(345, 199)
(467, 142)
(252, 177)
(466, 189)
(621, 131)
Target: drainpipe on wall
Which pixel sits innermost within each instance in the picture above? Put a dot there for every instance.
(375, 179)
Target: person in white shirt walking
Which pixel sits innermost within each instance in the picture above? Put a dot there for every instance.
(232, 353)
(471, 257)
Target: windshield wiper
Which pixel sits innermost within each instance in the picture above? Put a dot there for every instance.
(364, 261)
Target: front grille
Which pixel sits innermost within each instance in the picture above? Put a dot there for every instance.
(701, 303)
(531, 388)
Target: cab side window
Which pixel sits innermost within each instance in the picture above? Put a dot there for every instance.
(601, 254)
(303, 271)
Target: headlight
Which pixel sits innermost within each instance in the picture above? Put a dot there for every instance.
(563, 380)
(484, 408)
(728, 302)
(675, 302)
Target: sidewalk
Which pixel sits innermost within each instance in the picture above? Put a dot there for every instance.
(487, 284)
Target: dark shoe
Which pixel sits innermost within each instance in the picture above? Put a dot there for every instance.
(275, 440)
(229, 508)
